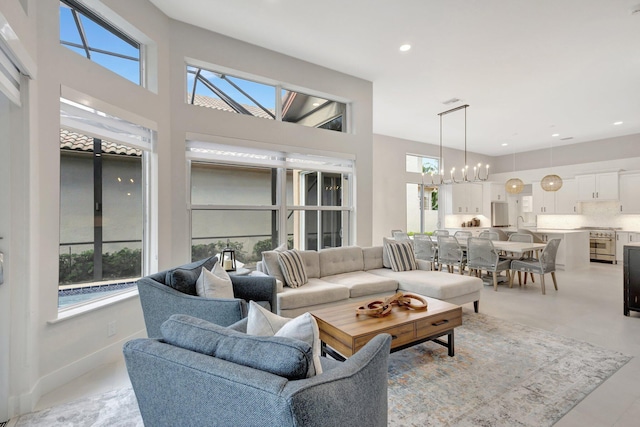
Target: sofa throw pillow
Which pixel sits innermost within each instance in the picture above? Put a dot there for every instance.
(271, 264)
(184, 278)
(215, 283)
(385, 252)
(262, 322)
(286, 357)
(401, 256)
(292, 267)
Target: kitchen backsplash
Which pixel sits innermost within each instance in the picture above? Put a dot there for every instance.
(594, 214)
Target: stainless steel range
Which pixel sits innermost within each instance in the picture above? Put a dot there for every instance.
(602, 244)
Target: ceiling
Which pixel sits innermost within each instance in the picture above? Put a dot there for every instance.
(527, 69)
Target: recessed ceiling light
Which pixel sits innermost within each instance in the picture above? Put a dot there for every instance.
(556, 134)
(504, 144)
(617, 123)
(405, 47)
(316, 104)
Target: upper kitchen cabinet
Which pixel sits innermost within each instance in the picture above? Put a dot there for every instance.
(464, 199)
(544, 202)
(567, 198)
(497, 192)
(629, 187)
(598, 187)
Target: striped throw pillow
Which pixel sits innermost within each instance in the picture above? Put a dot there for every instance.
(401, 256)
(292, 268)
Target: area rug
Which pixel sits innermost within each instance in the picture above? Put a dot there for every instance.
(503, 374)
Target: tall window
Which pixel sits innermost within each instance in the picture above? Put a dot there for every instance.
(253, 200)
(224, 92)
(422, 196)
(86, 33)
(102, 205)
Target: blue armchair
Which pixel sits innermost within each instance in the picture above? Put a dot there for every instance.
(173, 292)
(201, 374)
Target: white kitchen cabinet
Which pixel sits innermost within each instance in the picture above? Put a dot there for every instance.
(629, 188)
(465, 199)
(544, 202)
(497, 192)
(567, 198)
(598, 187)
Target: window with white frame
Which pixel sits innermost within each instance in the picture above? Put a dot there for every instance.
(422, 196)
(224, 92)
(104, 166)
(254, 200)
(87, 33)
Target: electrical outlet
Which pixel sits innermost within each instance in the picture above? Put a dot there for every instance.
(111, 328)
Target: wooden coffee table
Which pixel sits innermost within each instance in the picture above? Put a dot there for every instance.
(343, 332)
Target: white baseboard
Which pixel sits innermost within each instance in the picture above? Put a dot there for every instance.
(26, 402)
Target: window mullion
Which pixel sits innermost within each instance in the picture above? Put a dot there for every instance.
(278, 103)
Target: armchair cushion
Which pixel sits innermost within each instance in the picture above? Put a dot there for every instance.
(184, 278)
(285, 357)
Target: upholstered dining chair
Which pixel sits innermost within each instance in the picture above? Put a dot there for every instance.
(462, 235)
(425, 249)
(450, 253)
(481, 255)
(489, 235)
(502, 236)
(400, 235)
(437, 233)
(525, 238)
(536, 238)
(546, 263)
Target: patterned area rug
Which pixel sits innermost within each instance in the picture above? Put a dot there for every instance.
(503, 374)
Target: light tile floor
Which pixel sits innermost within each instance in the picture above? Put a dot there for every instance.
(587, 307)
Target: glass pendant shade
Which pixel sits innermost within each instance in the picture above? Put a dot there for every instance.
(551, 183)
(514, 186)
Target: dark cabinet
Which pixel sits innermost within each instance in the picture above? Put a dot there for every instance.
(631, 278)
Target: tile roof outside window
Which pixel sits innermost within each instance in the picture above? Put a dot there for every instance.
(70, 140)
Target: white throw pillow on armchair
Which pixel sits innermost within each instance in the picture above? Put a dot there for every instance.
(215, 283)
(262, 322)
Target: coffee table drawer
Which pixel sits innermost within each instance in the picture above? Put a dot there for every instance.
(437, 324)
(401, 335)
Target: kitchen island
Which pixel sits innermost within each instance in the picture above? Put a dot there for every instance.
(573, 252)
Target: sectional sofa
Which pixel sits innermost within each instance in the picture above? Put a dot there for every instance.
(353, 273)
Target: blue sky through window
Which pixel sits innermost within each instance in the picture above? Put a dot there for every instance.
(100, 38)
(264, 94)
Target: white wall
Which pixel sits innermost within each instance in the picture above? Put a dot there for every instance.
(46, 351)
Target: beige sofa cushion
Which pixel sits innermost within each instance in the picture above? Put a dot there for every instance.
(316, 291)
(372, 257)
(311, 261)
(341, 260)
(361, 283)
(434, 284)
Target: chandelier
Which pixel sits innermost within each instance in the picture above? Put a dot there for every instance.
(464, 177)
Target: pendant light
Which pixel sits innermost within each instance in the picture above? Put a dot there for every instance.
(551, 182)
(514, 185)
(477, 174)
